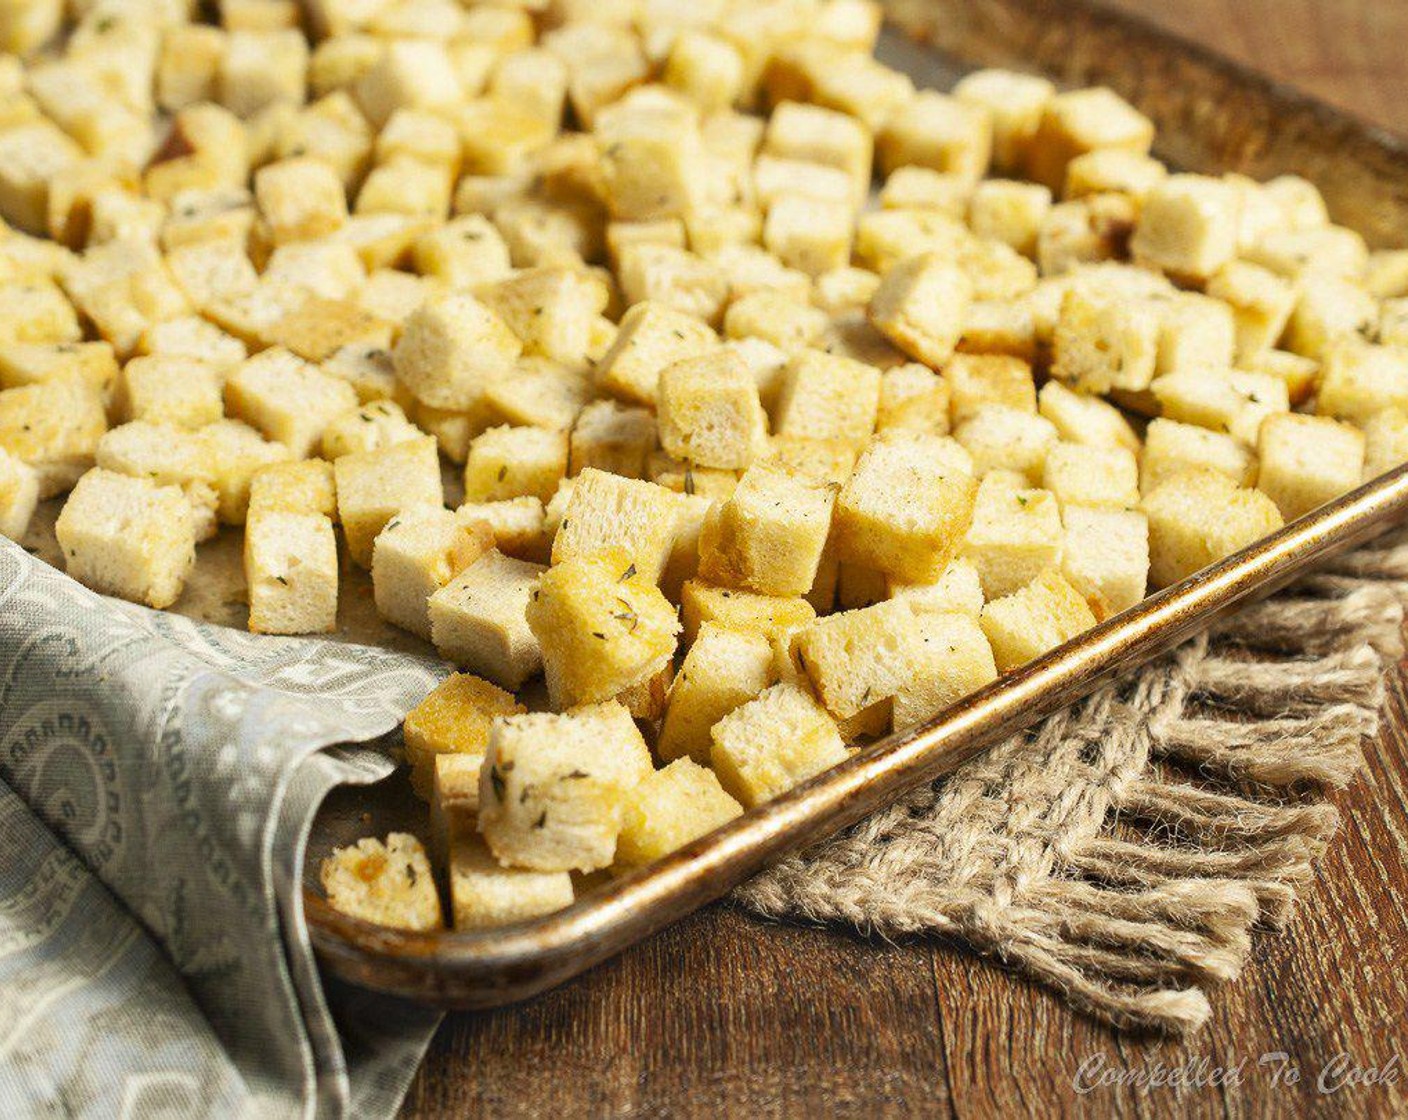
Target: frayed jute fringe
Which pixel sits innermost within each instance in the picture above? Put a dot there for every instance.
(1123, 851)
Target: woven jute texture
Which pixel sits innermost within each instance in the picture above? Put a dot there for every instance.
(1124, 851)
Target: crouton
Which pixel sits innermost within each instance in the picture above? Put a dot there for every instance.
(1261, 305)
(773, 742)
(934, 130)
(1386, 442)
(959, 589)
(1328, 310)
(54, 426)
(1014, 535)
(1009, 212)
(451, 348)
(1234, 402)
(611, 437)
(825, 397)
(1083, 121)
(668, 809)
(1015, 104)
(301, 487)
(1171, 447)
(856, 658)
(419, 552)
(19, 495)
(507, 462)
(290, 569)
(235, 452)
(812, 235)
(606, 510)
(485, 894)
(367, 427)
(453, 719)
(1091, 476)
(1001, 438)
(1104, 342)
(710, 413)
(287, 399)
(389, 884)
(519, 526)
(553, 310)
(477, 619)
(171, 390)
(374, 486)
(920, 307)
(1359, 379)
(1188, 226)
(652, 336)
(723, 669)
(948, 657)
(1306, 461)
(1198, 517)
(1105, 556)
(1034, 619)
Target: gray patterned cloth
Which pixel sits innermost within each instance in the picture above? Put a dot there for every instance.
(158, 777)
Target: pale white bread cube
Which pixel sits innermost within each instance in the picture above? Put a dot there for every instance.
(1261, 303)
(287, 399)
(813, 235)
(674, 277)
(519, 525)
(463, 252)
(407, 188)
(419, 552)
(196, 338)
(1002, 438)
(1086, 231)
(1386, 274)
(553, 310)
(905, 508)
(1386, 442)
(1113, 171)
(1105, 556)
(508, 462)
(451, 348)
(1199, 516)
(127, 537)
(949, 657)
(31, 156)
(775, 178)
(235, 452)
(768, 536)
(477, 619)
(610, 436)
(1195, 332)
(855, 659)
(710, 412)
(389, 884)
(185, 392)
(411, 74)
(300, 198)
(652, 336)
(306, 486)
(1034, 619)
(1393, 323)
(367, 427)
(1010, 212)
(915, 398)
(374, 486)
(1081, 121)
(1188, 226)
(1300, 374)
(1091, 476)
(978, 380)
(781, 318)
(54, 426)
(290, 570)
(959, 589)
(924, 188)
(211, 274)
(1306, 461)
(606, 510)
(261, 68)
(1328, 310)
(1105, 341)
(824, 136)
(541, 394)
(940, 132)
(124, 287)
(1015, 534)
(1014, 103)
(535, 80)
(773, 742)
(484, 893)
(1359, 379)
(770, 615)
(1299, 254)
(168, 456)
(723, 669)
(29, 363)
(884, 238)
(1084, 419)
(651, 158)
(920, 306)
(26, 26)
(19, 495)
(825, 396)
(1171, 447)
(553, 787)
(602, 627)
(1235, 401)
(706, 68)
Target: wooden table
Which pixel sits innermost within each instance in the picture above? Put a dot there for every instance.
(722, 1015)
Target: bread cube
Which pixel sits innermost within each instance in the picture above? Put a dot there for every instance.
(497, 136)
(1081, 121)
(419, 552)
(826, 397)
(454, 719)
(19, 495)
(29, 24)
(300, 198)
(1001, 438)
(1261, 304)
(777, 317)
(704, 68)
(886, 237)
(652, 336)
(723, 669)
(451, 348)
(746, 611)
(978, 381)
(937, 131)
(368, 369)
(613, 438)
(1393, 323)
(1105, 556)
(235, 452)
(1104, 342)
(542, 394)
(769, 535)
(1299, 254)
(31, 156)
(603, 626)
(172, 390)
(367, 427)
(1015, 533)
(127, 537)
(1300, 374)
(1113, 170)
(949, 657)
(1306, 461)
(411, 74)
(1087, 231)
(261, 68)
(54, 426)
(1235, 402)
(1195, 333)
(485, 894)
(302, 487)
(477, 620)
(374, 486)
(30, 363)
(35, 311)
(1386, 442)
(1009, 212)
(1014, 103)
(287, 399)
(1199, 516)
(913, 398)
(168, 456)
(124, 288)
(1171, 447)
(809, 132)
(1091, 476)
(388, 884)
(906, 506)
(508, 462)
(1034, 619)
(1359, 379)
(652, 160)
(408, 187)
(1188, 226)
(1328, 310)
(773, 742)
(995, 326)
(922, 188)
(191, 337)
(418, 134)
(856, 658)
(709, 411)
(668, 809)
(958, 590)
(606, 510)
(519, 526)
(553, 787)
(290, 567)
(533, 79)
(812, 235)
(920, 307)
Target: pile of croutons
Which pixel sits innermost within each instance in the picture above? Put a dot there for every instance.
(758, 462)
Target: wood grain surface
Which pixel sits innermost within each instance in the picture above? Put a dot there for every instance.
(724, 1016)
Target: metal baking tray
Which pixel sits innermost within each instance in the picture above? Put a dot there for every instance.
(1212, 116)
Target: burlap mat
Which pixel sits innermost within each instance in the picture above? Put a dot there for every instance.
(1124, 851)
